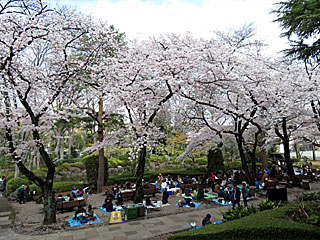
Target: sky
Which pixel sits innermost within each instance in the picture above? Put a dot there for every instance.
(144, 18)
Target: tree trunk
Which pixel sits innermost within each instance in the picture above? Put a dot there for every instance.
(213, 154)
(296, 148)
(61, 146)
(57, 133)
(140, 171)
(16, 172)
(313, 152)
(101, 171)
(49, 205)
(286, 145)
(70, 131)
(264, 158)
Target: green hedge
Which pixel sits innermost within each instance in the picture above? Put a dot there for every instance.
(15, 183)
(269, 224)
(152, 175)
(61, 186)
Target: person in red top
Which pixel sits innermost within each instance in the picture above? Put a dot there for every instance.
(80, 192)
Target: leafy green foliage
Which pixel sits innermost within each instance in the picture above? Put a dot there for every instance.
(266, 205)
(238, 212)
(15, 183)
(300, 20)
(269, 224)
(91, 163)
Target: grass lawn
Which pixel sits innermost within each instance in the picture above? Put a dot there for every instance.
(269, 224)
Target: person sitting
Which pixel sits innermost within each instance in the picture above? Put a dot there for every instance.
(109, 196)
(88, 191)
(165, 196)
(80, 213)
(222, 194)
(127, 185)
(115, 189)
(80, 192)
(90, 213)
(149, 202)
(60, 199)
(69, 197)
(109, 206)
(119, 199)
(187, 200)
(164, 185)
(206, 220)
(217, 188)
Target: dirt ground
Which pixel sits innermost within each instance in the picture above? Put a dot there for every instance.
(28, 217)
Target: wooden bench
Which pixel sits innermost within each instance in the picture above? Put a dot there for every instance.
(311, 178)
(69, 205)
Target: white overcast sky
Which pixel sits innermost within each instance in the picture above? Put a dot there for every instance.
(144, 18)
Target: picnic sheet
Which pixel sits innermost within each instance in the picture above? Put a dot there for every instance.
(114, 206)
(223, 204)
(207, 195)
(75, 223)
(75, 193)
(195, 203)
(197, 227)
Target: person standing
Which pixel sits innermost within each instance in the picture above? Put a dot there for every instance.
(244, 194)
(21, 193)
(3, 185)
(236, 196)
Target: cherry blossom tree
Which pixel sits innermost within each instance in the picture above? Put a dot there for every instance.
(29, 91)
(149, 74)
(227, 92)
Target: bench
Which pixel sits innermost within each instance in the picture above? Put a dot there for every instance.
(69, 205)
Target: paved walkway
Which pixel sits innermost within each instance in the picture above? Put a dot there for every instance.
(137, 229)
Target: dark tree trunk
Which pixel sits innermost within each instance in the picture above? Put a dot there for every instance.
(213, 154)
(140, 171)
(101, 170)
(49, 204)
(285, 140)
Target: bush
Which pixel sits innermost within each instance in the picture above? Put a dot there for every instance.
(34, 187)
(64, 166)
(91, 163)
(39, 173)
(15, 183)
(10, 176)
(269, 224)
(79, 165)
(238, 212)
(67, 186)
(266, 205)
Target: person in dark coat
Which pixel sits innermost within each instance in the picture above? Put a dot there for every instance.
(21, 194)
(165, 196)
(206, 220)
(236, 196)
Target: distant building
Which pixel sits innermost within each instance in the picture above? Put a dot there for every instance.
(307, 150)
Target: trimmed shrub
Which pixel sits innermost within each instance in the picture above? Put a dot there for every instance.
(15, 183)
(10, 176)
(91, 163)
(67, 186)
(79, 165)
(64, 166)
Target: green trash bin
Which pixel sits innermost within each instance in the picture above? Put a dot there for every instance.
(131, 211)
